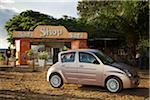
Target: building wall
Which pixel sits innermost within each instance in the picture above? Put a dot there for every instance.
(47, 34)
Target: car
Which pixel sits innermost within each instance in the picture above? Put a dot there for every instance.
(91, 67)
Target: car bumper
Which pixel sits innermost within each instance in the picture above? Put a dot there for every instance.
(132, 82)
(135, 82)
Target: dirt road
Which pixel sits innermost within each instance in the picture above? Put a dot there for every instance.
(23, 84)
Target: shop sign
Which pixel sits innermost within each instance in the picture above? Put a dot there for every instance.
(76, 35)
(24, 34)
(45, 32)
(50, 32)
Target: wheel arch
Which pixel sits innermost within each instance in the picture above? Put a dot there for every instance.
(111, 76)
(61, 79)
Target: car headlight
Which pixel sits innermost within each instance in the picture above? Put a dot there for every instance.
(128, 73)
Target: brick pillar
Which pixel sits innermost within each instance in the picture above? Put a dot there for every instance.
(83, 44)
(75, 44)
(79, 44)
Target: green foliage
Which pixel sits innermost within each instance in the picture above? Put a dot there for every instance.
(126, 20)
(115, 16)
(30, 53)
(122, 19)
(12, 58)
(43, 55)
(143, 43)
(28, 20)
(1, 57)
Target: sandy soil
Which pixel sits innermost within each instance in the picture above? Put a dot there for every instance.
(23, 84)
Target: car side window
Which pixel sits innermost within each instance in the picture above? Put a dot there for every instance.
(68, 57)
(87, 58)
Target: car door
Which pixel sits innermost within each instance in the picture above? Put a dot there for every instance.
(89, 69)
(69, 67)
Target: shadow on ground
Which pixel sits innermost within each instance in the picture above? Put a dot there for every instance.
(140, 91)
(92, 88)
(19, 95)
(22, 69)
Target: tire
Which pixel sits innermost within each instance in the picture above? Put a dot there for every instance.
(114, 84)
(56, 80)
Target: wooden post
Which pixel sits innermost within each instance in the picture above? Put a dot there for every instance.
(33, 63)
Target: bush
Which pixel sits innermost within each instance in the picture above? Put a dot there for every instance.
(30, 52)
(43, 55)
(12, 58)
(1, 57)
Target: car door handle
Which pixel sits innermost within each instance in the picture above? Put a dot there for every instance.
(81, 66)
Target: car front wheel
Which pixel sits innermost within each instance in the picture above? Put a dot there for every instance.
(114, 84)
(56, 81)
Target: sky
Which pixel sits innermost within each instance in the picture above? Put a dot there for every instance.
(55, 8)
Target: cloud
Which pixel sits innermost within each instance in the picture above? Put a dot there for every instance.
(7, 1)
(6, 13)
(46, 0)
(4, 43)
(8, 4)
(9, 8)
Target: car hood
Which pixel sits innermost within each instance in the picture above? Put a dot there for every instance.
(123, 67)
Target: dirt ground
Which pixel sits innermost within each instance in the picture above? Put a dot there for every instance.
(21, 83)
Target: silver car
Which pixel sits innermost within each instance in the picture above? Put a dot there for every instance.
(91, 67)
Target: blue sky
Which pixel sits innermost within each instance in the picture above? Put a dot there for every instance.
(55, 8)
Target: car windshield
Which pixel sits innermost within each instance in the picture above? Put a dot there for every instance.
(103, 57)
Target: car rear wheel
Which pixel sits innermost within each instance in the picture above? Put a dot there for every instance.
(56, 81)
(114, 84)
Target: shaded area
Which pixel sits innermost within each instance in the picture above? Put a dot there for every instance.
(140, 91)
(21, 95)
(22, 69)
(92, 88)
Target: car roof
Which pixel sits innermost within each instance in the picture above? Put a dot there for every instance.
(82, 50)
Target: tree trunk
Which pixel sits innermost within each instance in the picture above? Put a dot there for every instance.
(132, 42)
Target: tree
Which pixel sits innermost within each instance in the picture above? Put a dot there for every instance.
(26, 21)
(126, 19)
